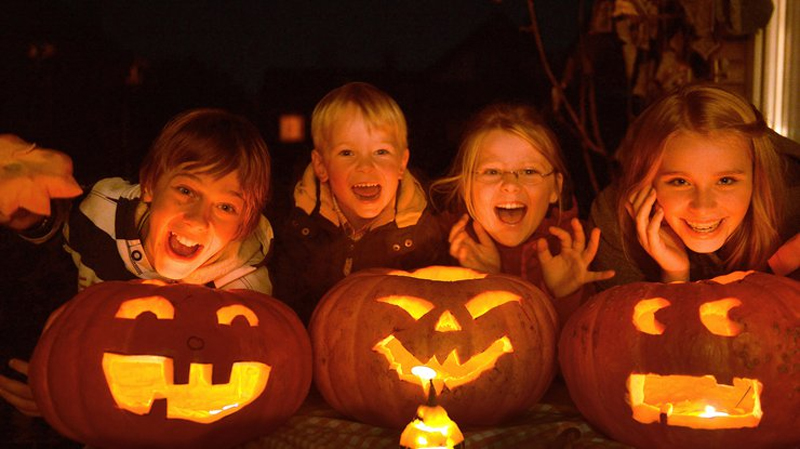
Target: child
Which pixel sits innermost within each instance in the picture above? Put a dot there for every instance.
(509, 175)
(190, 220)
(356, 206)
(701, 191)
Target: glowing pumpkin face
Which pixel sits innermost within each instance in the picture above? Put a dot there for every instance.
(161, 365)
(705, 364)
(486, 336)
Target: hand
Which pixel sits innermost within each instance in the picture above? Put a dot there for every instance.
(569, 270)
(17, 393)
(660, 242)
(481, 255)
(787, 258)
(29, 178)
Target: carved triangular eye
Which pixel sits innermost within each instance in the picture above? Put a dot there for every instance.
(157, 305)
(416, 307)
(714, 316)
(644, 315)
(486, 301)
(225, 315)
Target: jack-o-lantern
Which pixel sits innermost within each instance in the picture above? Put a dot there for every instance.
(145, 364)
(489, 338)
(707, 364)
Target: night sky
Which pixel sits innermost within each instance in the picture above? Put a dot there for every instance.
(244, 37)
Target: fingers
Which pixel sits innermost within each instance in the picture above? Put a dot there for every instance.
(579, 240)
(458, 227)
(18, 393)
(483, 237)
(543, 251)
(19, 366)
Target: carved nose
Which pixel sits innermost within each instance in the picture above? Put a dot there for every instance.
(447, 323)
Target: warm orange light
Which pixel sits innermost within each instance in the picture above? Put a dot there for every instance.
(432, 428)
(484, 302)
(644, 315)
(442, 273)
(447, 323)
(225, 315)
(714, 316)
(157, 305)
(136, 381)
(698, 402)
(416, 307)
(451, 373)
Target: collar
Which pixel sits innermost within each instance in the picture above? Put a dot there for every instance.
(310, 194)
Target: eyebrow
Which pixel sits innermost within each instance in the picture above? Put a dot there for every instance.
(197, 179)
(722, 173)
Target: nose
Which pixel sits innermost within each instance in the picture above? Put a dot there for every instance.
(364, 164)
(510, 180)
(704, 198)
(198, 214)
(447, 323)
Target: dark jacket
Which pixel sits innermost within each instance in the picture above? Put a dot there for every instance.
(313, 252)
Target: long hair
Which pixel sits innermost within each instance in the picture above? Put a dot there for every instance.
(704, 109)
(452, 191)
(213, 142)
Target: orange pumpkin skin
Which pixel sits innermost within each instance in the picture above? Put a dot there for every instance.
(358, 380)
(74, 393)
(603, 354)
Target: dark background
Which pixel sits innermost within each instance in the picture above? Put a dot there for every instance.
(98, 79)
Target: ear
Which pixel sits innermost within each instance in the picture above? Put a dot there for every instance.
(319, 165)
(404, 162)
(556, 193)
(147, 195)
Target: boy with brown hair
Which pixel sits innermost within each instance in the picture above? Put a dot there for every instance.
(356, 205)
(195, 217)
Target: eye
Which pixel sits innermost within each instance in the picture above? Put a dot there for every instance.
(491, 172)
(157, 305)
(345, 152)
(644, 315)
(486, 301)
(727, 181)
(228, 208)
(225, 315)
(416, 307)
(529, 171)
(678, 182)
(382, 152)
(714, 316)
(183, 190)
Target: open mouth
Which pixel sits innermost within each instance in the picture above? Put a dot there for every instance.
(698, 402)
(510, 213)
(703, 228)
(367, 191)
(135, 381)
(182, 246)
(451, 373)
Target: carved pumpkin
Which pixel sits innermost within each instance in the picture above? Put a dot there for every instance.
(146, 364)
(711, 364)
(490, 339)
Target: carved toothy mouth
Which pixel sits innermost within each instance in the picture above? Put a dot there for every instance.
(135, 381)
(451, 373)
(698, 402)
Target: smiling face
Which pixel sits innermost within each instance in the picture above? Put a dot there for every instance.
(193, 216)
(362, 164)
(508, 209)
(704, 185)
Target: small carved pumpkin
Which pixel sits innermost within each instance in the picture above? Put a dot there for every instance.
(708, 364)
(490, 339)
(146, 364)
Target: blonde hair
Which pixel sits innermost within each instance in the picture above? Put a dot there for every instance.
(378, 109)
(521, 120)
(214, 142)
(704, 109)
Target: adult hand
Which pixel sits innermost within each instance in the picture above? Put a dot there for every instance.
(656, 237)
(569, 270)
(481, 255)
(787, 258)
(29, 178)
(17, 393)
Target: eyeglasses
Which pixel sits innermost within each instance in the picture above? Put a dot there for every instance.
(527, 176)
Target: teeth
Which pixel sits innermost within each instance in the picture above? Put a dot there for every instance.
(184, 241)
(510, 206)
(704, 227)
(367, 184)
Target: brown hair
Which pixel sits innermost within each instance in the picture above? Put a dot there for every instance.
(377, 107)
(704, 109)
(214, 142)
(518, 119)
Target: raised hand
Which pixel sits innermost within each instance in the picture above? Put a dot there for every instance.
(17, 393)
(481, 255)
(569, 270)
(29, 178)
(656, 237)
